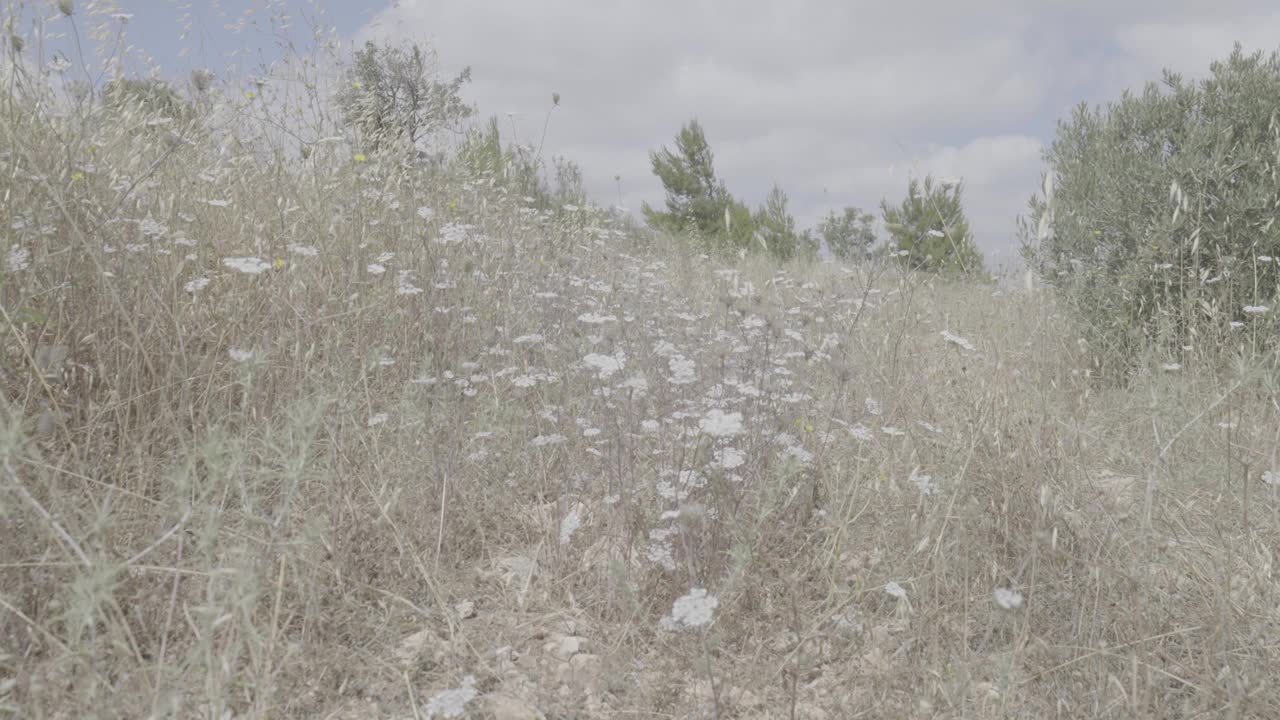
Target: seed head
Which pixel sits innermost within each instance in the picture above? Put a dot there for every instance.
(201, 79)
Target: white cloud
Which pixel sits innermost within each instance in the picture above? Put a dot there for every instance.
(835, 101)
(1189, 46)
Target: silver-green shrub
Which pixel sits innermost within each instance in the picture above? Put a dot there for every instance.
(1158, 223)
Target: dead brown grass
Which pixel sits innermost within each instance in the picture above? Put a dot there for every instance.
(373, 505)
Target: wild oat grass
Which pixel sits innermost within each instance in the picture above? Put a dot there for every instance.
(348, 437)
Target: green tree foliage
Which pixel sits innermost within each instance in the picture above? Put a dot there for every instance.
(569, 187)
(776, 229)
(930, 231)
(518, 168)
(739, 226)
(697, 201)
(391, 94)
(848, 235)
(481, 151)
(1160, 209)
(148, 95)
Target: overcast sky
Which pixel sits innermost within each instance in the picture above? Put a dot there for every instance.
(838, 102)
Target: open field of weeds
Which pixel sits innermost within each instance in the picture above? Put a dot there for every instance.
(346, 437)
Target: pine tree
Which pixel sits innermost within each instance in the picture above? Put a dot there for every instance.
(776, 229)
(697, 201)
(930, 231)
(848, 235)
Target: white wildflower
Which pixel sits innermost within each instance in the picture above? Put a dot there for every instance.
(636, 384)
(1271, 477)
(691, 479)
(666, 490)
(404, 283)
(958, 341)
(682, 370)
(196, 284)
(720, 424)
(596, 318)
(1171, 367)
(545, 440)
(1007, 598)
(730, 458)
(240, 355)
(452, 234)
(376, 419)
(375, 268)
(923, 483)
(606, 365)
(452, 703)
(660, 551)
(570, 524)
(799, 454)
(247, 265)
(895, 590)
(873, 406)
(936, 233)
(692, 610)
(1255, 309)
(861, 432)
(150, 228)
(19, 258)
(304, 250)
(426, 213)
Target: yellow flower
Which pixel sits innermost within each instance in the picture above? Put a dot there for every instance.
(359, 157)
(249, 94)
(77, 176)
(279, 263)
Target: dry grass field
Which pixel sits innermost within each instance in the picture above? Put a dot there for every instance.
(341, 437)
